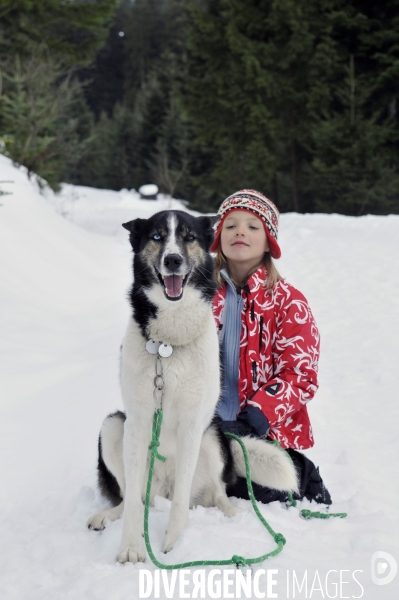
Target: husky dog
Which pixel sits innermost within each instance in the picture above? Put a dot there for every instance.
(171, 301)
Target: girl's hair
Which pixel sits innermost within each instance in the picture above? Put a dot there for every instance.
(273, 276)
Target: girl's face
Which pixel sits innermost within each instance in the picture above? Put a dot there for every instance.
(243, 238)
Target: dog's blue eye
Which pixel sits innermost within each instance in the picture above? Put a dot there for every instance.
(156, 237)
(190, 238)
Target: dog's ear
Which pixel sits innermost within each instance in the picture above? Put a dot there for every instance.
(214, 220)
(135, 228)
(207, 224)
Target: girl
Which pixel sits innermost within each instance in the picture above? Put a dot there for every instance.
(269, 341)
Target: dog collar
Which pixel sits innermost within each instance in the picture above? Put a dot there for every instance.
(160, 348)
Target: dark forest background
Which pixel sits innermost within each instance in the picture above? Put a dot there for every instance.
(295, 98)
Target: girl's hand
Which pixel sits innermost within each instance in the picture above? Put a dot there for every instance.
(254, 419)
(237, 427)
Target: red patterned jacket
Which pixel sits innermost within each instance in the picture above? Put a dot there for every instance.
(279, 351)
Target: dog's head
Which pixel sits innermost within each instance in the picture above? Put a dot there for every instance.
(172, 248)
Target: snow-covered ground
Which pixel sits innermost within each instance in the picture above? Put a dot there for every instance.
(63, 284)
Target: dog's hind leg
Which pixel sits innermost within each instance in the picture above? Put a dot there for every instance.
(111, 477)
(111, 452)
(210, 467)
(98, 521)
(220, 498)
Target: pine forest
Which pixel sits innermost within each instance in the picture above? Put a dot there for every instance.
(297, 99)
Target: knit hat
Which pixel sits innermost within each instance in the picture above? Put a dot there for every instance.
(262, 207)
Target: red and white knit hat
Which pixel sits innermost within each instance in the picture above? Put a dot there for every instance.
(258, 204)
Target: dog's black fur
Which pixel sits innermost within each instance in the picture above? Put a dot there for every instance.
(107, 483)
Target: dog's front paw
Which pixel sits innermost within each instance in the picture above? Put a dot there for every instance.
(168, 545)
(132, 552)
(171, 537)
(177, 522)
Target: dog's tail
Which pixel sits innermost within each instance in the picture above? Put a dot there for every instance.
(270, 465)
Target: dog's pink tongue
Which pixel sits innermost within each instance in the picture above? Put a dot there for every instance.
(173, 285)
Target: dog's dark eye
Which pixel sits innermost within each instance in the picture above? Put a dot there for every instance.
(190, 237)
(156, 237)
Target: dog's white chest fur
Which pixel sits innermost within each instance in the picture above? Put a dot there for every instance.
(179, 323)
(190, 329)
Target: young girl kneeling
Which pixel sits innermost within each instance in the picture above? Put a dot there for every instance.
(269, 341)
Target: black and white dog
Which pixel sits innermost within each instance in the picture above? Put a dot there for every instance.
(171, 300)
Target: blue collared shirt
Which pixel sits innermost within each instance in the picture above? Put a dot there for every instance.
(229, 403)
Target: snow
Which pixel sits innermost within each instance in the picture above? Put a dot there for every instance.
(64, 274)
(149, 189)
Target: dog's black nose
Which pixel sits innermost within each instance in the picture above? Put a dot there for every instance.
(172, 262)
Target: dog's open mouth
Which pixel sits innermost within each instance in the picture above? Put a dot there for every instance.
(173, 285)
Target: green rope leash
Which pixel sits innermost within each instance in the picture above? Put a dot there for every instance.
(156, 430)
(306, 513)
(235, 559)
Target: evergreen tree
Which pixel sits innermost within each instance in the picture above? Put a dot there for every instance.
(145, 40)
(171, 156)
(44, 120)
(72, 30)
(41, 113)
(354, 165)
(105, 77)
(110, 157)
(225, 97)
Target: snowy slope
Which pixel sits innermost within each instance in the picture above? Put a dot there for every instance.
(63, 314)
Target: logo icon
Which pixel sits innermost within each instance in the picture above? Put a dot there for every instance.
(383, 568)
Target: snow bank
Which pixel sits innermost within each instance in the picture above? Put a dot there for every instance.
(103, 211)
(63, 314)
